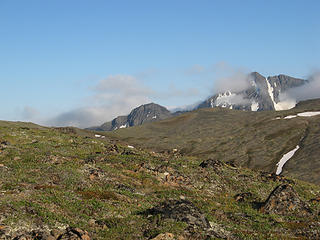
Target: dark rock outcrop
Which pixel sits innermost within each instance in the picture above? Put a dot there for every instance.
(242, 197)
(211, 163)
(284, 200)
(180, 210)
(69, 234)
(185, 211)
(74, 234)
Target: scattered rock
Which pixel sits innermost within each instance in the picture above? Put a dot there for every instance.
(243, 176)
(5, 143)
(180, 210)
(213, 163)
(128, 152)
(74, 234)
(315, 200)
(123, 187)
(182, 197)
(95, 173)
(219, 232)
(284, 200)
(69, 234)
(184, 211)
(241, 197)
(265, 176)
(92, 222)
(66, 130)
(34, 235)
(306, 230)
(56, 233)
(164, 236)
(113, 148)
(166, 174)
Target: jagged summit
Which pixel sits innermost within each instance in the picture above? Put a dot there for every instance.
(262, 94)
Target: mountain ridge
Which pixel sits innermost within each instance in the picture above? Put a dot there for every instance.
(262, 94)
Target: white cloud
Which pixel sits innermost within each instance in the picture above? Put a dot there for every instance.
(174, 92)
(195, 69)
(310, 90)
(237, 81)
(29, 113)
(307, 91)
(116, 95)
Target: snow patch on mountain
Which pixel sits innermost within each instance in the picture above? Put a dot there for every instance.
(281, 105)
(228, 99)
(290, 116)
(224, 99)
(308, 114)
(277, 106)
(303, 114)
(286, 157)
(254, 106)
(253, 83)
(212, 103)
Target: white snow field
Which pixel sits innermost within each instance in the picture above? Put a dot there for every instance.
(286, 157)
(304, 114)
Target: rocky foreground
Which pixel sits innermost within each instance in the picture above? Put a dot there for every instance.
(69, 184)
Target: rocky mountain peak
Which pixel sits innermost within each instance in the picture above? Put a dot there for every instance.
(145, 113)
(263, 93)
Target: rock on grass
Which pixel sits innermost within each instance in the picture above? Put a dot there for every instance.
(284, 200)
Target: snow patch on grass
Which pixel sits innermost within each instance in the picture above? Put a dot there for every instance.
(286, 157)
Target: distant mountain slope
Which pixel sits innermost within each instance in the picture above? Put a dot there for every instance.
(145, 113)
(262, 94)
(253, 139)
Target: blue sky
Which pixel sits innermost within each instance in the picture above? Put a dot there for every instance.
(54, 55)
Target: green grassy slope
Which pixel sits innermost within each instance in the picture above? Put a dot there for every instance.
(54, 178)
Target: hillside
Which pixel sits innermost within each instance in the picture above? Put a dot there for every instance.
(251, 139)
(67, 183)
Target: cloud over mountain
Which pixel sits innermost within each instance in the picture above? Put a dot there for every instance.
(112, 96)
(307, 91)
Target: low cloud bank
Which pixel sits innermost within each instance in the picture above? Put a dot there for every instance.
(113, 96)
(236, 82)
(307, 91)
(310, 90)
